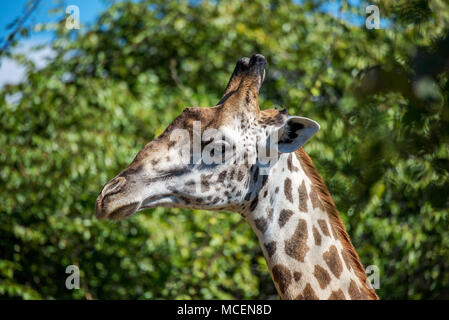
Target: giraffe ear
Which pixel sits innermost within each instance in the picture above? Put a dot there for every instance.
(295, 132)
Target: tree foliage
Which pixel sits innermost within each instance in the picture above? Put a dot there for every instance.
(380, 96)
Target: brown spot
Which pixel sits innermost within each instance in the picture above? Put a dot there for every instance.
(271, 248)
(307, 294)
(184, 199)
(247, 98)
(288, 189)
(303, 197)
(354, 291)
(297, 275)
(290, 164)
(246, 158)
(315, 199)
(322, 276)
(296, 247)
(323, 226)
(337, 295)
(316, 236)
(240, 175)
(284, 216)
(222, 176)
(333, 261)
(276, 190)
(231, 177)
(261, 224)
(205, 185)
(282, 276)
(190, 183)
(171, 143)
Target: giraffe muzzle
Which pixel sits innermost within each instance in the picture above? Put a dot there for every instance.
(104, 203)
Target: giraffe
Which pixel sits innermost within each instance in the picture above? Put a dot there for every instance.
(285, 201)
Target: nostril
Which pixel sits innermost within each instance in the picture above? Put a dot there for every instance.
(113, 185)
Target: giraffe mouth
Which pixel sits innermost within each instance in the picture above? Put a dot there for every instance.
(123, 212)
(165, 201)
(179, 200)
(159, 201)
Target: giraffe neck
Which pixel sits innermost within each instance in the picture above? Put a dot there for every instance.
(304, 242)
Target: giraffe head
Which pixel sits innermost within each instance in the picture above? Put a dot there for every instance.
(209, 158)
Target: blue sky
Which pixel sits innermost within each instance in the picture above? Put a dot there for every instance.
(11, 71)
(89, 10)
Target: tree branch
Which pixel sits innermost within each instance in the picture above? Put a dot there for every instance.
(33, 5)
